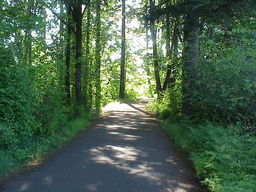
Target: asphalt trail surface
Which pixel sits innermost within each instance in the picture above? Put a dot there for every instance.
(124, 151)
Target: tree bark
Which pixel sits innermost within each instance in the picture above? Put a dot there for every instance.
(168, 33)
(123, 47)
(190, 62)
(29, 46)
(168, 49)
(67, 59)
(28, 36)
(77, 15)
(147, 66)
(98, 56)
(155, 54)
(172, 54)
(87, 78)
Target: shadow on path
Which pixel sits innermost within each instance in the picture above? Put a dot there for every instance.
(133, 105)
(122, 152)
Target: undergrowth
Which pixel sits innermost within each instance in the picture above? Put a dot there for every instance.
(16, 156)
(224, 156)
(224, 160)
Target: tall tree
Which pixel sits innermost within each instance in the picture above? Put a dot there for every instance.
(28, 31)
(123, 49)
(168, 47)
(147, 65)
(87, 78)
(98, 57)
(153, 31)
(78, 18)
(68, 54)
(190, 60)
(77, 10)
(171, 52)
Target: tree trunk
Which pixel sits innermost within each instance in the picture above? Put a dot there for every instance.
(155, 55)
(98, 56)
(122, 75)
(29, 46)
(172, 54)
(190, 62)
(61, 31)
(168, 49)
(77, 15)
(68, 56)
(87, 78)
(28, 34)
(168, 33)
(147, 67)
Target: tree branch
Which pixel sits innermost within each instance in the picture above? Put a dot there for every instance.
(86, 5)
(54, 13)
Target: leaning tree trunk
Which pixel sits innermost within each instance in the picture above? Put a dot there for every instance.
(122, 75)
(190, 62)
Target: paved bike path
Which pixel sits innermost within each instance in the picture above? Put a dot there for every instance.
(124, 151)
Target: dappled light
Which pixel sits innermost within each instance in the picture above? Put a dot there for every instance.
(91, 187)
(116, 106)
(122, 151)
(35, 162)
(122, 157)
(117, 154)
(25, 186)
(125, 136)
(130, 127)
(48, 180)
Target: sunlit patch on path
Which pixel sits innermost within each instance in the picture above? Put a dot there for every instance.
(124, 151)
(117, 106)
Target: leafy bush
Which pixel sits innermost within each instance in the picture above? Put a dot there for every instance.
(227, 84)
(51, 113)
(7, 136)
(17, 155)
(168, 107)
(16, 101)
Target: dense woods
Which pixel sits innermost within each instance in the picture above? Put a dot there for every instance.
(62, 60)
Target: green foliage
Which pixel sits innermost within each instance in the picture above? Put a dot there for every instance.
(223, 154)
(224, 159)
(227, 79)
(35, 113)
(7, 136)
(51, 112)
(18, 155)
(16, 100)
(167, 107)
(34, 117)
(110, 83)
